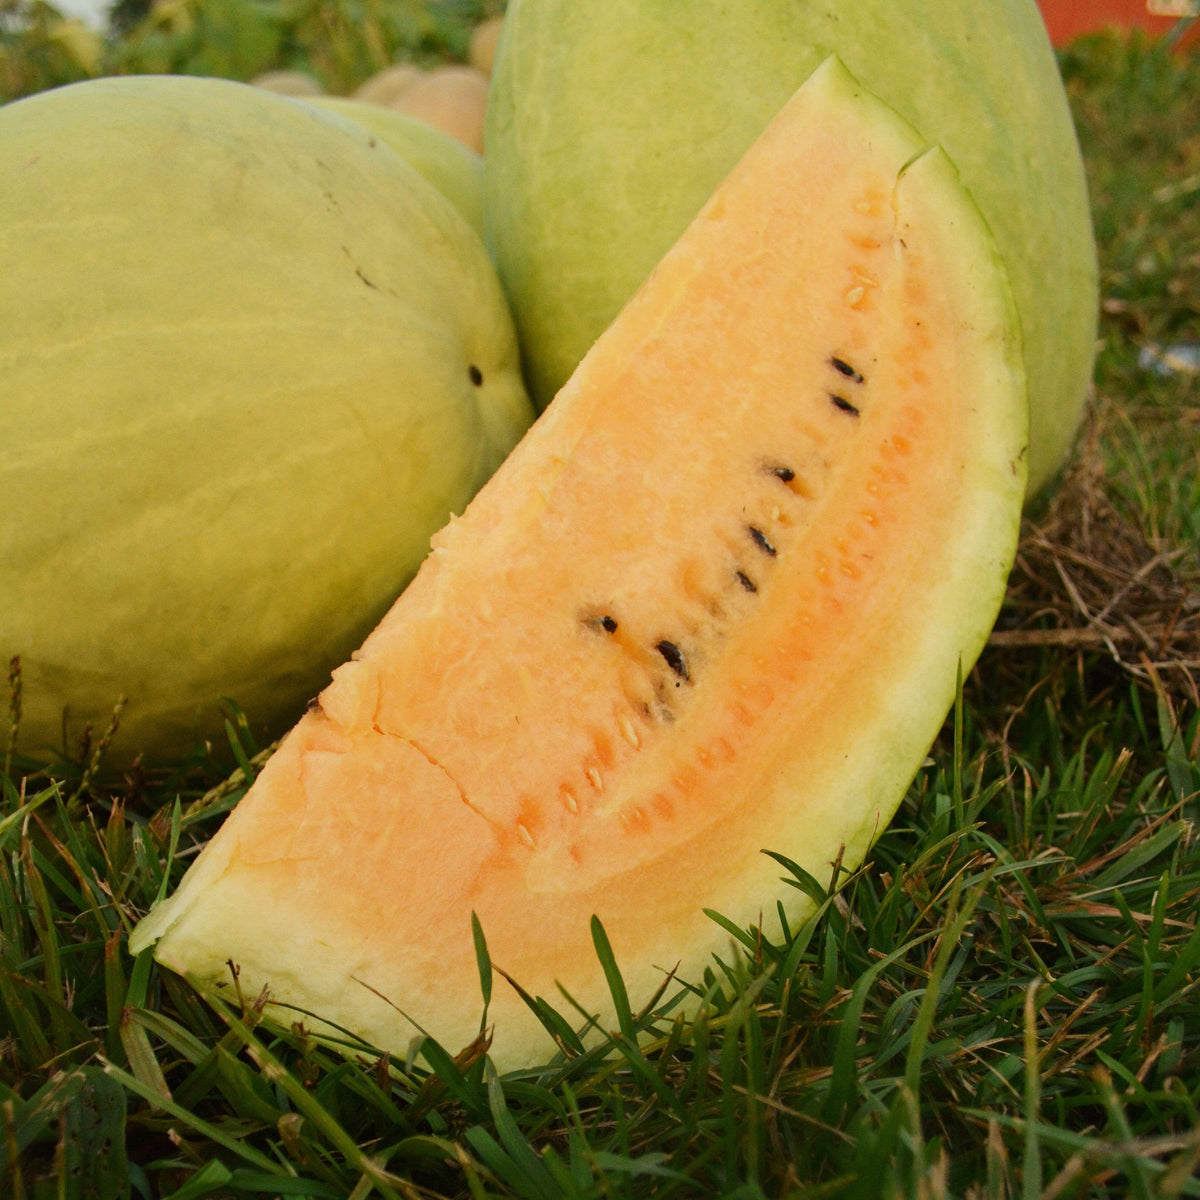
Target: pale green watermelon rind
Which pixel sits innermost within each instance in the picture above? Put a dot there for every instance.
(962, 608)
(610, 121)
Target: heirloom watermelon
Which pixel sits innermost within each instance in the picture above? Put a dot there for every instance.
(610, 122)
(250, 360)
(714, 603)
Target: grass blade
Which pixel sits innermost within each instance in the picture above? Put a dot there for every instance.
(616, 984)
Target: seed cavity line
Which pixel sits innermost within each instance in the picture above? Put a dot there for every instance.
(680, 661)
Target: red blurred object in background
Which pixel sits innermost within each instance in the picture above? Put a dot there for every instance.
(1069, 18)
(1066, 19)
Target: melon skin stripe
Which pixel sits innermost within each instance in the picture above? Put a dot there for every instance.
(714, 603)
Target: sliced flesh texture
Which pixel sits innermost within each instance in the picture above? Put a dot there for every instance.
(716, 603)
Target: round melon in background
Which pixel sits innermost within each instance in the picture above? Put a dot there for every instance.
(289, 83)
(452, 98)
(252, 361)
(389, 84)
(485, 37)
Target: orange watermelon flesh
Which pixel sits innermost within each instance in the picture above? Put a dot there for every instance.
(715, 603)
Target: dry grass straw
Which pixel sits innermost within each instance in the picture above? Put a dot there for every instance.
(1089, 578)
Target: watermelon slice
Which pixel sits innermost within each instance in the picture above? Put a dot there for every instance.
(715, 603)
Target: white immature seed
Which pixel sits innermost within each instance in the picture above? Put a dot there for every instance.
(628, 731)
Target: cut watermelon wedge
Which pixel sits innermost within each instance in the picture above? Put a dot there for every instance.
(715, 603)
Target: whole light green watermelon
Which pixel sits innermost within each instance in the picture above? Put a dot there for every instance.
(611, 121)
(249, 362)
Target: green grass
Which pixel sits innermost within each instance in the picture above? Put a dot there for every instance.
(1003, 1002)
(1139, 120)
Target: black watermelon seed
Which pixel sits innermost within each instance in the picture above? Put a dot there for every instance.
(608, 624)
(673, 657)
(761, 540)
(844, 405)
(475, 375)
(746, 582)
(840, 364)
(790, 480)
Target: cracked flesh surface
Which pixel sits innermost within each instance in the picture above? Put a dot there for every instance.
(646, 650)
